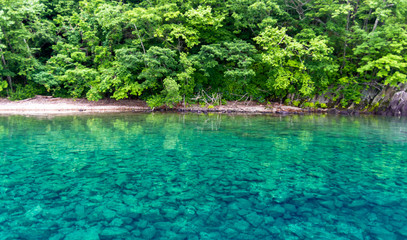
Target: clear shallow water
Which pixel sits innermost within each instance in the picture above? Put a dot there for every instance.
(168, 176)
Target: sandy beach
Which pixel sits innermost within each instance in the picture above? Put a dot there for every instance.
(50, 105)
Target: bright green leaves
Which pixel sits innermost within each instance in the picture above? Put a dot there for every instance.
(383, 55)
(232, 59)
(78, 81)
(112, 20)
(186, 75)
(78, 56)
(3, 85)
(203, 16)
(172, 49)
(292, 62)
(160, 63)
(22, 33)
(45, 78)
(389, 67)
(120, 78)
(171, 92)
(239, 55)
(249, 15)
(169, 96)
(177, 34)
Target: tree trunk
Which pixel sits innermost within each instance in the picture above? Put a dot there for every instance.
(377, 19)
(141, 42)
(375, 24)
(346, 40)
(28, 48)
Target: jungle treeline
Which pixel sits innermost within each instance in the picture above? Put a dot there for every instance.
(170, 51)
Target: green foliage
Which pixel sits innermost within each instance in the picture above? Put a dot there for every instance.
(3, 85)
(78, 81)
(26, 91)
(166, 51)
(292, 62)
(155, 101)
(323, 105)
(296, 103)
(171, 92)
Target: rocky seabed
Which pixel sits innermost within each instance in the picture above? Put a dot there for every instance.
(214, 206)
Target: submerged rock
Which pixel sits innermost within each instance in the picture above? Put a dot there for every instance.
(243, 203)
(109, 214)
(328, 204)
(165, 226)
(231, 233)
(82, 234)
(170, 213)
(275, 211)
(149, 232)
(114, 232)
(382, 233)
(357, 204)
(254, 219)
(34, 234)
(153, 215)
(117, 222)
(241, 226)
(260, 233)
(33, 212)
(403, 231)
(80, 211)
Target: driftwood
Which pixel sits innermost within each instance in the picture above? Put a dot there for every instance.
(208, 99)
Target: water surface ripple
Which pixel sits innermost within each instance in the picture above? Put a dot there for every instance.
(169, 176)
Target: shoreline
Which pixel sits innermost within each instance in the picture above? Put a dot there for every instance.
(47, 105)
(50, 105)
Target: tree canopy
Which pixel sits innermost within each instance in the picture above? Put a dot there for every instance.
(167, 51)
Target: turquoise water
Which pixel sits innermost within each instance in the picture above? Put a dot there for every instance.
(169, 176)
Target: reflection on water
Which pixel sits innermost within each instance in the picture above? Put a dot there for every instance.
(170, 176)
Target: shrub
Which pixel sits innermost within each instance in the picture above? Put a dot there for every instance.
(155, 101)
(28, 91)
(296, 103)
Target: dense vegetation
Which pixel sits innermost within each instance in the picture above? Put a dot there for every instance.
(168, 51)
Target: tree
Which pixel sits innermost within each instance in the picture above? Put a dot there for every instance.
(293, 62)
